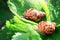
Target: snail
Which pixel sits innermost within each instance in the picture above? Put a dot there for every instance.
(46, 27)
(33, 14)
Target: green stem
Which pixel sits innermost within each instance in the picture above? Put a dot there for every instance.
(31, 22)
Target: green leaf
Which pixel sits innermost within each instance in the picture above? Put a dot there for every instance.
(31, 35)
(20, 36)
(19, 6)
(16, 24)
(16, 27)
(6, 34)
(8, 23)
(54, 8)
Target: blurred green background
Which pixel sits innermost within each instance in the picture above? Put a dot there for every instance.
(5, 13)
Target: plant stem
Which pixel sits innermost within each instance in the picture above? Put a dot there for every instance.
(31, 22)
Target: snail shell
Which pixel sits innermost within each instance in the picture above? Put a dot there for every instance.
(33, 14)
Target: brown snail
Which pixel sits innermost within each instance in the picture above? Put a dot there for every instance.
(46, 27)
(33, 14)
